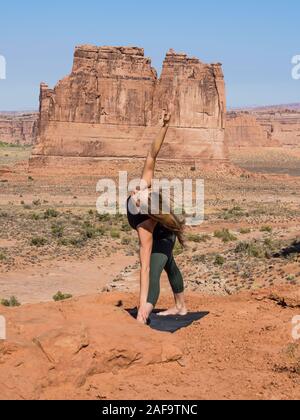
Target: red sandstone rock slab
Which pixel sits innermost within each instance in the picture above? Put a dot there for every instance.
(63, 344)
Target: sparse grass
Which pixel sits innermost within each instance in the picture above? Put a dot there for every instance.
(57, 230)
(266, 229)
(245, 231)
(252, 249)
(178, 249)
(235, 212)
(197, 238)
(38, 241)
(115, 234)
(34, 216)
(51, 213)
(61, 296)
(199, 259)
(8, 145)
(126, 241)
(219, 260)
(11, 302)
(225, 235)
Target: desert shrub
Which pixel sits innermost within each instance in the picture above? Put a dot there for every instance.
(178, 250)
(78, 242)
(198, 238)
(126, 241)
(197, 259)
(2, 256)
(61, 296)
(232, 213)
(11, 302)
(225, 235)
(267, 229)
(34, 216)
(245, 231)
(125, 227)
(115, 234)
(3, 214)
(57, 230)
(36, 203)
(103, 217)
(252, 249)
(51, 213)
(219, 260)
(64, 242)
(38, 241)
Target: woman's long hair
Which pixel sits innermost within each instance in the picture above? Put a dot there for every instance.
(170, 220)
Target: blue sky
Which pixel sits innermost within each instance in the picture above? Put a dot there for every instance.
(255, 41)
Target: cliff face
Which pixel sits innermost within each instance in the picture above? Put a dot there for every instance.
(282, 124)
(111, 104)
(18, 128)
(266, 126)
(244, 130)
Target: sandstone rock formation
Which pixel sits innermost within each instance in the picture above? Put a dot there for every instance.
(111, 104)
(244, 130)
(18, 128)
(62, 346)
(282, 124)
(88, 348)
(276, 126)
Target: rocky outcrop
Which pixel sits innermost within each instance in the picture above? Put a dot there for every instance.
(276, 126)
(63, 346)
(282, 124)
(111, 103)
(244, 130)
(18, 128)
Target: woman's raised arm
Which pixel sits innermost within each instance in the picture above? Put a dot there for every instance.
(148, 172)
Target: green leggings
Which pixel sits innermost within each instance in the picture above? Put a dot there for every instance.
(162, 259)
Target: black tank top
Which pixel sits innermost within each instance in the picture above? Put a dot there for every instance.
(160, 231)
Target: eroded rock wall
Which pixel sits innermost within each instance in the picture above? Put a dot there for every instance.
(111, 103)
(18, 128)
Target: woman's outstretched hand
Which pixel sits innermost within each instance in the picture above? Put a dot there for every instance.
(166, 119)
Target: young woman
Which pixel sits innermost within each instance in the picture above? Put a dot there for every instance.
(157, 234)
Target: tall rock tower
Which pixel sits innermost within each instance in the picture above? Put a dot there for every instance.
(111, 103)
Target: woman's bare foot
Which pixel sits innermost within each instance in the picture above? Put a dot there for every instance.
(174, 311)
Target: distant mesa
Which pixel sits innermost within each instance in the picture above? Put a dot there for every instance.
(111, 104)
(19, 128)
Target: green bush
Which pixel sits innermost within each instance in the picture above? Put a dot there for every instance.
(252, 249)
(61, 296)
(51, 213)
(115, 234)
(57, 230)
(245, 231)
(225, 235)
(267, 229)
(219, 260)
(198, 238)
(11, 302)
(38, 241)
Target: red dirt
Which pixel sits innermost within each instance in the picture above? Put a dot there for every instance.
(89, 348)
